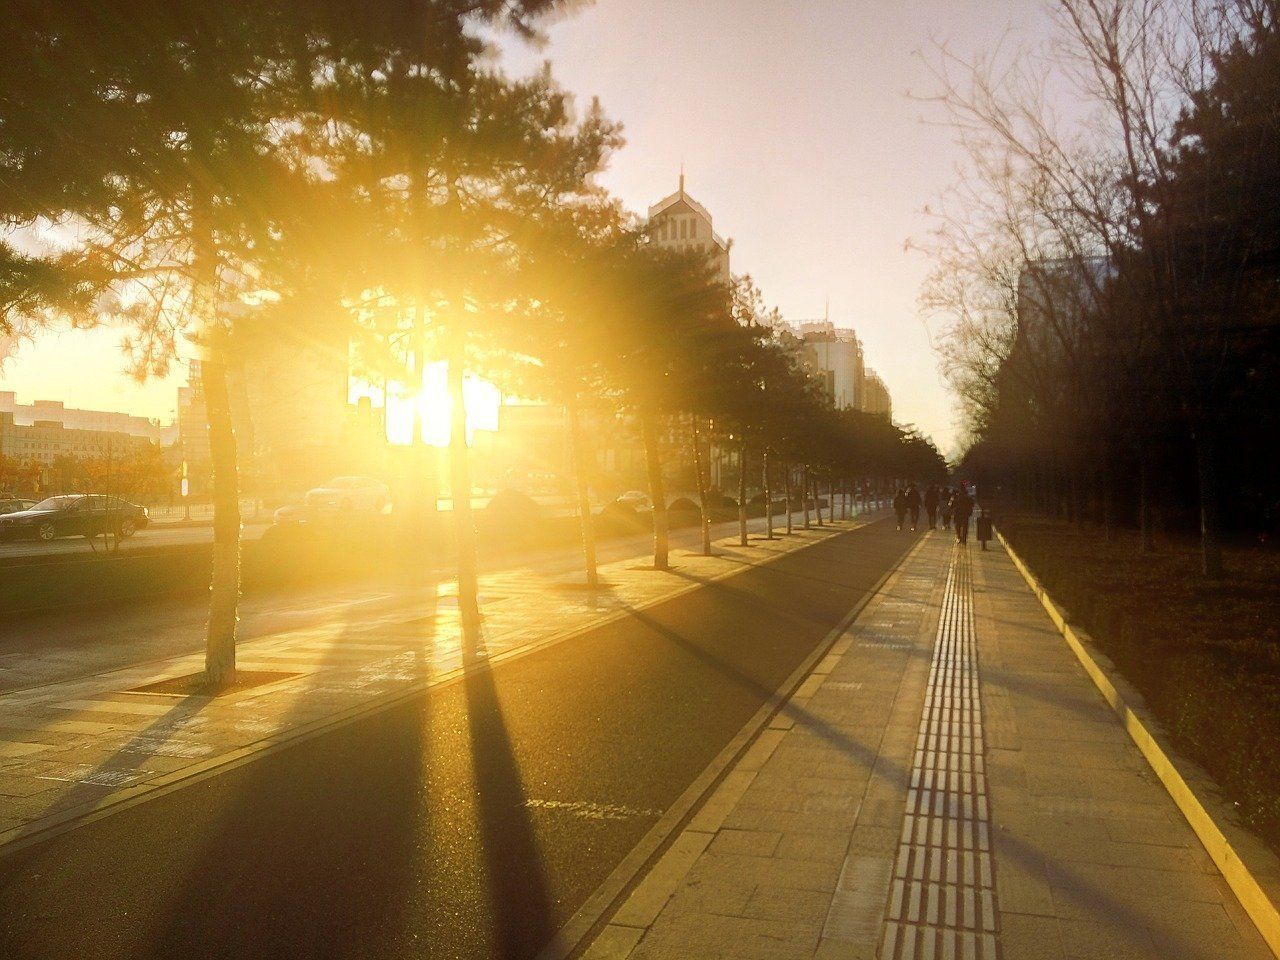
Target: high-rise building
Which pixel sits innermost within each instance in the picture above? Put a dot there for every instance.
(877, 396)
(835, 355)
(679, 222)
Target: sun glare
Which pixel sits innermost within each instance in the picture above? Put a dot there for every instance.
(482, 397)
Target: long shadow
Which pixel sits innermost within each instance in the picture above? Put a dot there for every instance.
(816, 550)
(244, 889)
(119, 769)
(264, 887)
(832, 734)
(1082, 891)
(239, 884)
(516, 874)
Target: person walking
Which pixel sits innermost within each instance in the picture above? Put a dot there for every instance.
(931, 505)
(946, 508)
(900, 506)
(962, 505)
(913, 505)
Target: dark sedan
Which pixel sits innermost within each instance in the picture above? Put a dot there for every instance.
(74, 515)
(13, 504)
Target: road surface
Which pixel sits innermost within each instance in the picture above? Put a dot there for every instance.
(161, 535)
(471, 821)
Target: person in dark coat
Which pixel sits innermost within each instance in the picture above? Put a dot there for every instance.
(946, 508)
(913, 505)
(900, 506)
(983, 527)
(931, 497)
(962, 505)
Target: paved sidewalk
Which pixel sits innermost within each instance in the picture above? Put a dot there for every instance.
(947, 783)
(72, 748)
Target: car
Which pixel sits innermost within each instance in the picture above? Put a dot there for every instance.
(635, 499)
(74, 515)
(14, 504)
(350, 493)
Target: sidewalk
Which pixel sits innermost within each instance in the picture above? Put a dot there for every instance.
(947, 783)
(71, 749)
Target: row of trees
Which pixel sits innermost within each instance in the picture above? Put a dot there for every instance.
(215, 172)
(138, 472)
(1106, 273)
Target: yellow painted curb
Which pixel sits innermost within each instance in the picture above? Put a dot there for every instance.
(1257, 903)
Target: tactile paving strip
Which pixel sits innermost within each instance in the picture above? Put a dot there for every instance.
(942, 902)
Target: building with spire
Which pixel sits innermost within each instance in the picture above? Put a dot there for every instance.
(678, 222)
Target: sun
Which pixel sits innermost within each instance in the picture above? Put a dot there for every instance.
(483, 401)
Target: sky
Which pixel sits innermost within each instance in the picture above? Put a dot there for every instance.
(800, 127)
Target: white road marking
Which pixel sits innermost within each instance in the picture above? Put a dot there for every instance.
(140, 708)
(589, 810)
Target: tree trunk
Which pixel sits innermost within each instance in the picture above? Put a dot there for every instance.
(464, 530)
(578, 453)
(786, 491)
(768, 495)
(742, 494)
(704, 511)
(1108, 498)
(817, 500)
(657, 495)
(804, 493)
(1207, 474)
(1146, 540)
(1077, 499)
(224, 582)
(844, 499)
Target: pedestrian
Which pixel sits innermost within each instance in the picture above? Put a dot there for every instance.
(931, 497)
(900, 506)
(962, 507)
(984, 528)
(913, 505)
(946, 508)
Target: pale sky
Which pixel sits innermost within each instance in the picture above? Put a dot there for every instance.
(796, 129)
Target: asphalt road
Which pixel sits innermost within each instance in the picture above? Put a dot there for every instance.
(469, 822)
(54, 645)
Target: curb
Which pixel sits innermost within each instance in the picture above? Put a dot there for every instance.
(1238, 861)
(71, 818)
(641, 884)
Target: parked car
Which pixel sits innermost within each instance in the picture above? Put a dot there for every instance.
(13, 505)
(74, 515)
(635, 499)
(350, 493)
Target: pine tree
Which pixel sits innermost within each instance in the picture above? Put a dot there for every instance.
(143, 131)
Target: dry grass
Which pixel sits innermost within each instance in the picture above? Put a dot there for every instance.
(1205, 655)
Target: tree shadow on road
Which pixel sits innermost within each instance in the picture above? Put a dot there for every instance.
(120, 769)
(234, 875)
(516, 875)
(312, 875)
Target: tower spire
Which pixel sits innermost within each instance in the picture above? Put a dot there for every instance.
(682, 178)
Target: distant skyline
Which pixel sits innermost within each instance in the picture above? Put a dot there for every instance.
(793, 123)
